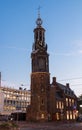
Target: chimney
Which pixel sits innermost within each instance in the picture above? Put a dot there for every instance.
(0, 79)
(54, 80)
(67, 85)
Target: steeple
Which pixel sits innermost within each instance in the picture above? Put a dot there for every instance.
(39, 35)
(39, 53)
(40, 76)
(39, 20)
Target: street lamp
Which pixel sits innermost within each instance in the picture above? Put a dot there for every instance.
(81, 105)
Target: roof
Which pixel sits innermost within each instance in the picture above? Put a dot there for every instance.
(67, 90)
(59, 95)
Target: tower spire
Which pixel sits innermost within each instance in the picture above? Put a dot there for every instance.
(39, 20)
(39, 12)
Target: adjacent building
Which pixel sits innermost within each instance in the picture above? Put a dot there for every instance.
(80, 105)
(63, 102)
(13, 100)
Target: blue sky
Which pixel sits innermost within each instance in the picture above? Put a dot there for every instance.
(62, 20)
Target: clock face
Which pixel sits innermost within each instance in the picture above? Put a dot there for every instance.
(41, 63)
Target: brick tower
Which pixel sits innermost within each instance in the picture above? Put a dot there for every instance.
(40, 76)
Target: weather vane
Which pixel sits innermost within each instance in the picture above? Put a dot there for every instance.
(39, 11)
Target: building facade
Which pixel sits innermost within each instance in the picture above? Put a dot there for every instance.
(63, 102)
(13, 100)
(80, 105)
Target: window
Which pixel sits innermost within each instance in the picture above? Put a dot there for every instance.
(66, 101)
(70, 114)
(42, 116)
(42, 102)
(67, 114)
(57, 116)
(60, 105)
(72, 102)
(74, 115)
(69, 102)
(56, 104)
(40, 36)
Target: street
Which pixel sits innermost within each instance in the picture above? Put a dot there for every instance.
(51, 126)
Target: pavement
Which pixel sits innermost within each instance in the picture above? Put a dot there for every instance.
(50, 126)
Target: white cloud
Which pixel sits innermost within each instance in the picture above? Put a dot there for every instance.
(80, 51)
(77, 43)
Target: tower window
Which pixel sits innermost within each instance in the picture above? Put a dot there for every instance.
(42, 116)
(42, 102)
(40, 36)
(42, 88)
